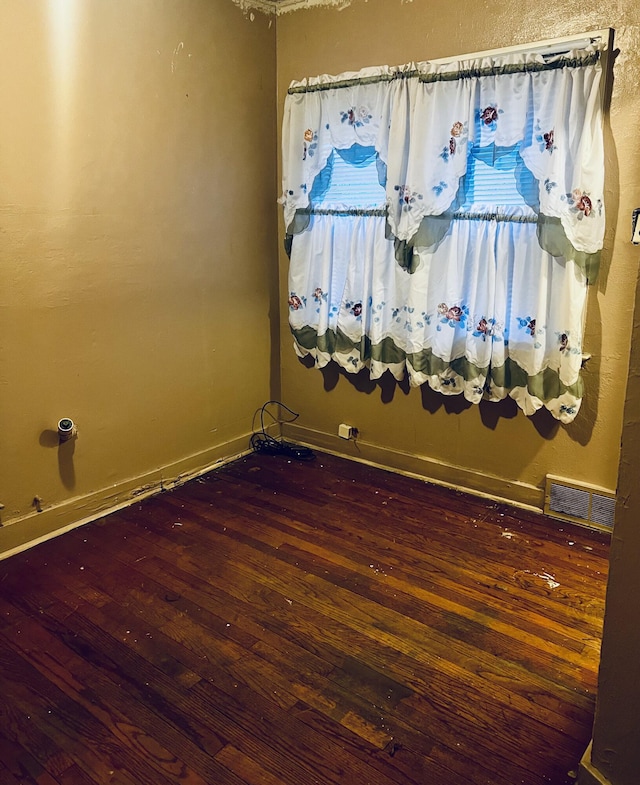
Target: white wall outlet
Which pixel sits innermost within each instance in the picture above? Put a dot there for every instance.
(347, 431)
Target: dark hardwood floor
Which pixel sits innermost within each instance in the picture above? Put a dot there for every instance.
(283, 623)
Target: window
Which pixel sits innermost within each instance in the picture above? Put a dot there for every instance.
(444, 219)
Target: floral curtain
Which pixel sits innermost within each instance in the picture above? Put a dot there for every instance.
(465, 264)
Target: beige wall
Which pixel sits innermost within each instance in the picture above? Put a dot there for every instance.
(492, 447)
(137, 246)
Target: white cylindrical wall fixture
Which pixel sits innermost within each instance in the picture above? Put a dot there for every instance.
(66, 429)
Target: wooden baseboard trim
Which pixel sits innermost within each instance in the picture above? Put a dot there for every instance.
(24, 532)
(515, 493)
(587, 773)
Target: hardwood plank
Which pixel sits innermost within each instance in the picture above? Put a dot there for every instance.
(89, 687)
(552, 724)
(17, 765)
(82, 744)
(329, 598)
(283, 622)
(473, 726)
(464, 587)
(75, 776)
(246, 767)
(453, 535)
(318, 696)
(321, 560)
(7, 778)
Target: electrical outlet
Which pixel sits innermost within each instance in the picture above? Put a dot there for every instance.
(347, 431)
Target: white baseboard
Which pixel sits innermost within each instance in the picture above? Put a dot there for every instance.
(24, 532)
(587, 773)
(515, 493)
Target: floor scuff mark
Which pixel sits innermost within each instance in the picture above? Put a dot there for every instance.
(546, 577)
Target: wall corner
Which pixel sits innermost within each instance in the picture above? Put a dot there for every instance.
(587, 772)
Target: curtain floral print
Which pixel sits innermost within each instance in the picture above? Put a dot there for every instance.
(474, 292)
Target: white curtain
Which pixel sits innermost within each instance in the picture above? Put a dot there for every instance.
(474, 292)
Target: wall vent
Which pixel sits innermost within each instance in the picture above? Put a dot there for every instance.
(580, 503)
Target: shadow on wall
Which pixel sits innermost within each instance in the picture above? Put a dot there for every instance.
(580, 430)
(612, 172)
(50, 439)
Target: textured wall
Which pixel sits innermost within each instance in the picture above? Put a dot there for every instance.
(137, 245)
(491, 447)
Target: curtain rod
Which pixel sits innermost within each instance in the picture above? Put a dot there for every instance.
(548, 49)
(548, 46)
(445, 76)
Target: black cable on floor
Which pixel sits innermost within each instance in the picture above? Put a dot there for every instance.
(263, 442)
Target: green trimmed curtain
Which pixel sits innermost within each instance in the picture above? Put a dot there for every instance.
(444, 221)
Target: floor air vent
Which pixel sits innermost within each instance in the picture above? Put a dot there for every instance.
(573, 501)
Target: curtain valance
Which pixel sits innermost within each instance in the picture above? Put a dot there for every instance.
(423, 124)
